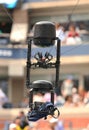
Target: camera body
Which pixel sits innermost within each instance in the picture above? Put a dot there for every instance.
(42, 109)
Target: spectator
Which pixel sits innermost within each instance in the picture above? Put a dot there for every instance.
(12, 126)
(82, 94)
(66, 88)
(53, 123)
(60, 125)
(59, 101)
(81, 101)
(17, 121)
(86, 98)
(75, 96)
(56, 124)
(23, 122)
(3, 98)
(73, 36)
(60, 32)
(69, 101)
(18, 124)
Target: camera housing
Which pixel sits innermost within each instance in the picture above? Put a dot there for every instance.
(42, 110)
(44, 33)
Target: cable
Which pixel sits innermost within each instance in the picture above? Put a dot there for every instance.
(74, 8)
(8, 14)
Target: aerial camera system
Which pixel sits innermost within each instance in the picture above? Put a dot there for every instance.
(44, 36)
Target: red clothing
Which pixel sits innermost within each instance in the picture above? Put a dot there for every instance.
(73, 35)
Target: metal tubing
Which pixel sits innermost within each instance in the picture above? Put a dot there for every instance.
(57, 63)
(28, 65)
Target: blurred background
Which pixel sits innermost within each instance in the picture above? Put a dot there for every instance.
(71, 19)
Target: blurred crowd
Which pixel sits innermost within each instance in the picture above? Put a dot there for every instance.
(21, 123)
(69, 95)
(70, 34)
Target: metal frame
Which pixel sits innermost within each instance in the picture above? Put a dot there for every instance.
(28, 69)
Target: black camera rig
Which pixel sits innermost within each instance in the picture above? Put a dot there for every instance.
(44, 35)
